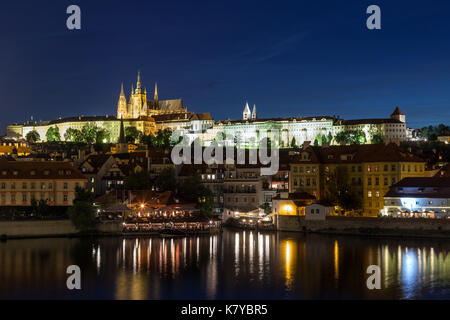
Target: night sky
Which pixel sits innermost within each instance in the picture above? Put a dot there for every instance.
(299, 58)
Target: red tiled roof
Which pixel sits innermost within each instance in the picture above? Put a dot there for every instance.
(43, 170)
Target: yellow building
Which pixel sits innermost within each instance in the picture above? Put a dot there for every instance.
(22, 181)
(368, 170)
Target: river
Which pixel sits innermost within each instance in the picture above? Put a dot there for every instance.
(232, 265)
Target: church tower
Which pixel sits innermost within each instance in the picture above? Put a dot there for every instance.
(122, 111)
(247, 113)
(122, 145)
(156, 92)
(139, 100)
(398, 115)
(254, 114)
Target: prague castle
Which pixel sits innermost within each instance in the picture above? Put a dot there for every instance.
(150, 115)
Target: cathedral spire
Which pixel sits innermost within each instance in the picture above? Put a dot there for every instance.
(122, 94)
(138, 86)
(156, 91)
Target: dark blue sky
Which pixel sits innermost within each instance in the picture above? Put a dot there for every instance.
(290, 58)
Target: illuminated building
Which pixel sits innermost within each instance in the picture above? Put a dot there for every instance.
(419, 197)
(22, 181)
(368, 169)
(291, 204)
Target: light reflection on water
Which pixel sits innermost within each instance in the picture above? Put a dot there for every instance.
(233, 265)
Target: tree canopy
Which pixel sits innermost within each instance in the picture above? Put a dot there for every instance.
(33, 136)
(53, 135)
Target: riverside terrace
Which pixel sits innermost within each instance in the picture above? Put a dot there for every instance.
(150, 211)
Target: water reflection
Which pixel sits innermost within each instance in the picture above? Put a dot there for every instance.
(233, 265)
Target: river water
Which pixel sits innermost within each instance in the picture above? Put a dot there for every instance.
(232, 265)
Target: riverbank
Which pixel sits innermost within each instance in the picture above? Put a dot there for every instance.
(65, 229)
(388, 227)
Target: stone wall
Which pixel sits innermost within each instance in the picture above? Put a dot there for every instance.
(36, 228)
(53, 228)
(373, 226)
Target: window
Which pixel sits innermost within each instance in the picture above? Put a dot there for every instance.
(377, 194)
(377, 181)
(13, 197)
(24, 185)
(386, 167)
(369, 181)
(24, 198)
(65, 185)
(369, 194)
(50, 185)
(393, 181)
(33, 185)
(3, 185)
(13, 186)
(386, 181)
(65, 198)
(42, 185)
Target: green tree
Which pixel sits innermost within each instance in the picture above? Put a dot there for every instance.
(149, 140)
(293, 143)
(33, 136)
(82, 213)
(89, 133)
(39, 208)
(53, 135)
(73, 135)
(377, 139)
(193, 190)
(102, 136)
(132, 134)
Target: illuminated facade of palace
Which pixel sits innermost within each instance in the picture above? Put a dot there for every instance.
(150, 115)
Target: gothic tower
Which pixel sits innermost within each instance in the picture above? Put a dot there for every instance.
(247, 113)
(122, 111)
(139, 100)
(254, 114)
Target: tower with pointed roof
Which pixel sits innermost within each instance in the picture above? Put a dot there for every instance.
(254, 114)
(247, 112)
(156, 92)
(122, 145)
(398, 115)
(122, 104)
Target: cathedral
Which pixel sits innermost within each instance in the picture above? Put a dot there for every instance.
(139, 106)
